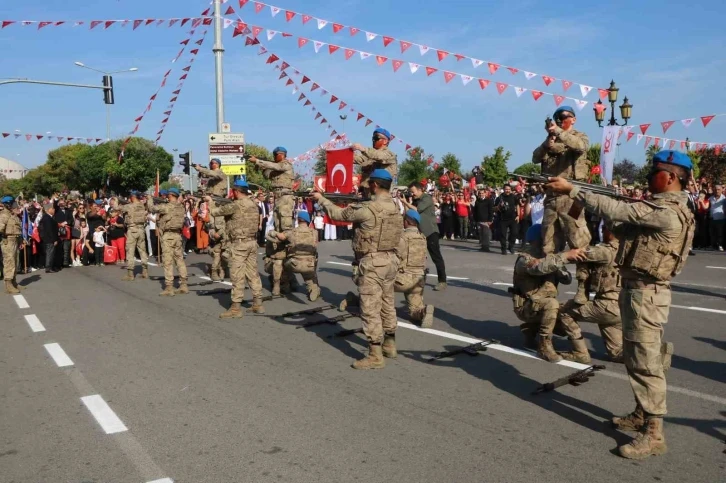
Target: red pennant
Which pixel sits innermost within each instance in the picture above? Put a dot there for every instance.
(194, 51)
(558, 99)
(289, 15)
(302, 96)
(368, 122)
(349, 53)
(272, 58)
(61, 22)
(28, 137)
(187, 68)
(430, 70)
(165, 120)
(566, 84)
(630, 136)
(259, 7)
(360, 116)
(665, 125)
(404, 46)
(315, 86)
(138, 119)
(513, 70)
(381, 60)
(603, 93)
(6, 134)
(282, 75)
(501, 87)
(94, 23)
(441, 54)
(301, 41)
(289, 82)
(672, 144)
(483, 83)
(448, 76)
(256, 31)
(547, 79)
(536, 95)
(493, 67)
(305, 79)
(657, 140)
(306, 19)
(643, 128)
(39, 136)
(396, 64)
(323, 121)
(333, 99)
(706, 119)
(332, 48)
(185, 42)
(150, 21)
(342, 105)
(229, 11)
(137, 23)
(184, 20)
(43, 24)
(307, 103)
(337, 28)
(387, 41)
(7, 22)
(317, 116)
(167, 113)
(648, 139)
(173, 99)
(459, 57)
(353, 31)
(284, 65)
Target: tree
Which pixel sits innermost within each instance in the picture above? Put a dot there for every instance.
(254, 174)
(593, 155)
(625, 171)
(165, 185)
(450, 162)
(415, 167)
(494, 167)
(712, 165)
(321, 165)
(91, 172)
(137, 169)
(696, 160)
(528, 169)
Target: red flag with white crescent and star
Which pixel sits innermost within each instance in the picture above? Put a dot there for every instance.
(339, 171)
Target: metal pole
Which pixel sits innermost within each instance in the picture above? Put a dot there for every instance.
(218, 50)
(108, 122)
(64, 84)
(190, 171)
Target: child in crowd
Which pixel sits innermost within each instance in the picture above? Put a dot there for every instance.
(319, 222)
(98, 243)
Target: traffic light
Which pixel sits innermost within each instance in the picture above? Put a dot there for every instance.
(108, 89)
(186, 162)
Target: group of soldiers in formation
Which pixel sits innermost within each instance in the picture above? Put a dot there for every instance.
(645, 244)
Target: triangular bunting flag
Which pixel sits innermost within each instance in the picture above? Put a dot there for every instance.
(423, 49)
(483, 83)
(337, 28)
(476, 62)
(630, 136)
(665, 125)
(529, 75)
(404, 46)
(648, 139)
(396, 64)
(492, 67)
(349, 53)
(687, 122)
(547, 79)
(441, 54)
(360, 116)
(644, 127)
(94, 23)
(381, 60)
(364, 55)
(566, 84)
(258, 7)
(580, 104)
(271, 34)
(289, 15)
(706, 119)
(638, 138)
(519, 91)
(256, 31)
(314, 86)
(274, 11)
(368, 122)
(536, 95)
(321, 23)
(370, 36)
(333, 99)
(43, 24)
(342, 105)
(387, 41)
(672, 144)
(272, 58)
(305, 79)
(317, 44)
(603, 93)
(501, 87)
(558, 99)
(306, 19)
(353, 31)
(289, 82)
(430, 70)
(465, 79)
(413, 67)
(585, 90)
(513, 70)
(301, 41)
(229, 11)
(332, 48)
(448, 76)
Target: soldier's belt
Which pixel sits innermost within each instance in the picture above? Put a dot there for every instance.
(642, 285)
(10, 236)
(251, 238)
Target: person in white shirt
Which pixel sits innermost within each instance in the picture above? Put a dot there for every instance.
(718, 218)
(99, 242)
(319, 222)
(537, 208)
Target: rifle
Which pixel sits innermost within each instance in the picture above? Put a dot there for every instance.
(576, 378)
(158, 200)
(472, 350)
(312, 311)
(334, 197)
(346, 333)
(327, 321)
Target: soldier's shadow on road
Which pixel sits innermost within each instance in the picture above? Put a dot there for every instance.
(25, 281)
(696, 291)
(507, 378)
(716, 428)
(716, 371)
(482, 329)
(719, 344)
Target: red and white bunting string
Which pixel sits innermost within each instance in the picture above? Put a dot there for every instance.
(182, 78)
(105, 24)
(423, 49)
(340, 141)
(665, 125)
(413, 67)
(667, 143)
(49, 137)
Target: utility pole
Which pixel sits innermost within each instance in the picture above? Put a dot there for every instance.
(218, 50)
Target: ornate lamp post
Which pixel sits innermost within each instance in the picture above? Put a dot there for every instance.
(626, 108)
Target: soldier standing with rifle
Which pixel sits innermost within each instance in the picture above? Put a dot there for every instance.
(216, 179)
(219, 253)
(653, 248)
(171, 217)
(281, 174)
(377, 157)
(134, 214)
(242, 217)
(10, 232)
(378, 230)
(564, 153)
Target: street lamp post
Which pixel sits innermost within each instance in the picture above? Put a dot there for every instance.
(626, 108)
(108, 108)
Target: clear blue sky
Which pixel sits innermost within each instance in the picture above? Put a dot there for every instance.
(667, 57)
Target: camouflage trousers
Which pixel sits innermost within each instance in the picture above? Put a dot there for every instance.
(173, 255)
(305, 266)
(559, 227)
(375, 281)
(412, 288)
(605, 313)
(220, 259)
(540, 316)
(136, 240)
(283, 212)
(644, 311)
(243, 266)
(9, 247)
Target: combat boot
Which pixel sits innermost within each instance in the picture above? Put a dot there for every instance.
(440, 287)
(389, 346)
(314, 293)
(183, 288)
(374, 359)
(257, 306)
(666, 352)
(546, 351)
(631, 422)
(650, 441)
(129, 276)
(168, 291)
(276, 289)
(234, 312)
(579, 352)
(428, 318)
(581, 296)
(9, 288)
(144, 272)
(15, 284)
(214, 275)
(350, 299)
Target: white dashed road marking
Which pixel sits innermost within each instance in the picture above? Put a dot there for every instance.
(20, 300)
(163, 480)
(34, 323)
(59, 355)
(103, 414)
(699, 309)
(720, 268)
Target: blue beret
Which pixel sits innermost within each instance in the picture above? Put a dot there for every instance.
(134, 193)
(534, 233)
(174, 191)
(413, 214)
(385, 132)
(7, 200)
(674, 157)
(216, 160)
(563, 109)
(303, 215)
(381, 174)
(279, 149)
(240, 183)
(163, 192)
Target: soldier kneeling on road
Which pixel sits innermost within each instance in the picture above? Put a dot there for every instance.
(411, 276)
(301, 244)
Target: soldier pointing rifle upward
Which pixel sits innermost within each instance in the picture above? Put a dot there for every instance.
(377, 157)
(171, 218)
(216, 179)
(281, 174)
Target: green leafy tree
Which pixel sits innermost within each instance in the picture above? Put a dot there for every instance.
(696, 160)
(625, 171)
(450, 162)
(165, 185)
(494, 167)
(712, 165)
(91, 171)
(593, 155)
(528, 169)
(321, 165)
(254, 174)
(138, 167)
(415, 167)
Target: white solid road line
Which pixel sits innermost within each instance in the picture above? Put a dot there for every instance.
(699, 309)
(34, 323)
(58, 354)
(20, 300)
(163, 480)
(430, 274)
(720, 268)
(103, 414)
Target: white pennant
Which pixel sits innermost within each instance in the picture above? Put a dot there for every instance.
(264, 51)
(270, 34)
(476, 62)
(580, 104)
(529, 75)
(585, 90)
(519, 91)
(687, 122)
(414, 67)
(665, 141)
(295, 90)
(77, 24)
(323, 92)
(274, 10)
(465, 79)
(317, 45)
(690, 144)
(638, 138)
(227, 22)
(370, 36)
(364, 55)
(322, 23)
(423, 49)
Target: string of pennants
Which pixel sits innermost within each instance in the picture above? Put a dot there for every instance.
(339, 141)
(665, 125)
(397, 64)
(50, 137)
(145, 22)
(667, 143)
(423, 49)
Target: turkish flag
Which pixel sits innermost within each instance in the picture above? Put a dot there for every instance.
(340, 171)
(320, 182)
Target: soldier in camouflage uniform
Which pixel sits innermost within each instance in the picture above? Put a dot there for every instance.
(564, 153)
(301, 247)
(281, 174)
(220, 257)
(411, 276)
(10, 232)
(216, 179)
(171, 218)
(377, 157)
(603, 310)
(653, 248)
(242, 218)
(378, 229)
(535, 295)
(275, 254)
(134, 214)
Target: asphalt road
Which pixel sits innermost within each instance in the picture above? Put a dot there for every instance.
(104, 381)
